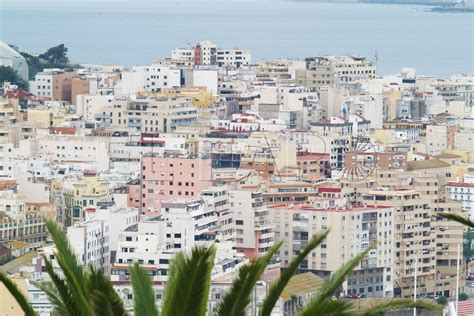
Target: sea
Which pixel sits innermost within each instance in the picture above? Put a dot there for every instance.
(133, 32)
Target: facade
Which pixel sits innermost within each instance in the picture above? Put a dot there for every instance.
(207, 53)
(53, 84)
(90, 241)
(254, 231)
(167, 177)
(352, 231)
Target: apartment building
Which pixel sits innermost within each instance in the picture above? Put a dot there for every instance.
(163, 115)
(330, 70)
(89, 240)
(167, 177)
(53, 84)
(17, 223)
(9, 111)
(84, 195)
(353, 230)
(253, 228)
(436, 139)
(464, 193)
(149, 78)
(207, 53)
(412, 239)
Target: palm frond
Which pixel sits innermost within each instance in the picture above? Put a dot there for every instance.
(72, 269)
(19, 297)
(398, 304)
(61, 296)
(104, 299)
(237, 299)
(53, 296)
(334, 307)
(457, 218)
(187, 291)
(143, 293)
(333, 283)
(278, 287)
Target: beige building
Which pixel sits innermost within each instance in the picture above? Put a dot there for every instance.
(9, 111)
(353, 229)
(151, 115)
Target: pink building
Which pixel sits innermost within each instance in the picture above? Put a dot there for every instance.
(165, 178)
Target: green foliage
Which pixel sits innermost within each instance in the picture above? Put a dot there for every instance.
(189, 281)
(457, 218)
(104, 299)
(442, 300)
(278, 287)
(238, 298)
(17, 294)
(89, 292)
(144, 296)
(463, 297)
(10, 75)
(54, 57)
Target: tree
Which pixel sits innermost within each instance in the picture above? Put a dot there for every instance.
(463, 296)
(10, 75)
(442, 300)
(56, 56)
(90, 292)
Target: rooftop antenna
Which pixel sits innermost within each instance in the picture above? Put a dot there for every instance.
(376, 57)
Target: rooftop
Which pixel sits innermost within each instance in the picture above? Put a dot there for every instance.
(427, 164)
(301, 284)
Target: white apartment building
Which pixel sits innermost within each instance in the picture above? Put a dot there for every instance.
(464, 193)
(150, 78)
(88, 105)
(90, 241)
(207, 53)
(88, 151)
(253, 226)
(43, 84)
(233, 57)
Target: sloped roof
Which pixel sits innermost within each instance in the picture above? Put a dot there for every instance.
(7, 52)
(427, 164)
(447, 156)
(301, 284)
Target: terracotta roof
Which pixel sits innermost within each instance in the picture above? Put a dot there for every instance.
(460, 184)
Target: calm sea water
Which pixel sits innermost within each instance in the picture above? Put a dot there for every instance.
(139, 31)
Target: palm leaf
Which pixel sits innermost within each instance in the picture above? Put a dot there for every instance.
(19, 297)
(53, 296)
(279, 286)
(60, 295)
(72, 269)
(237, 299)
(333, 283)
(187, 290)
(143, 293)
(398, 304)
(104, 299)
(334, 307)
(457, 218)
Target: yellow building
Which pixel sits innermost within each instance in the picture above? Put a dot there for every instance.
(46, 117)
(9, 111)
(85, 195)
(383, 136)
(200, 96)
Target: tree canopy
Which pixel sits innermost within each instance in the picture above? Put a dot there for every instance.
(54, 57)
(10, 75)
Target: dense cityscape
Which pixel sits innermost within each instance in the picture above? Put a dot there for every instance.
(209, 147)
